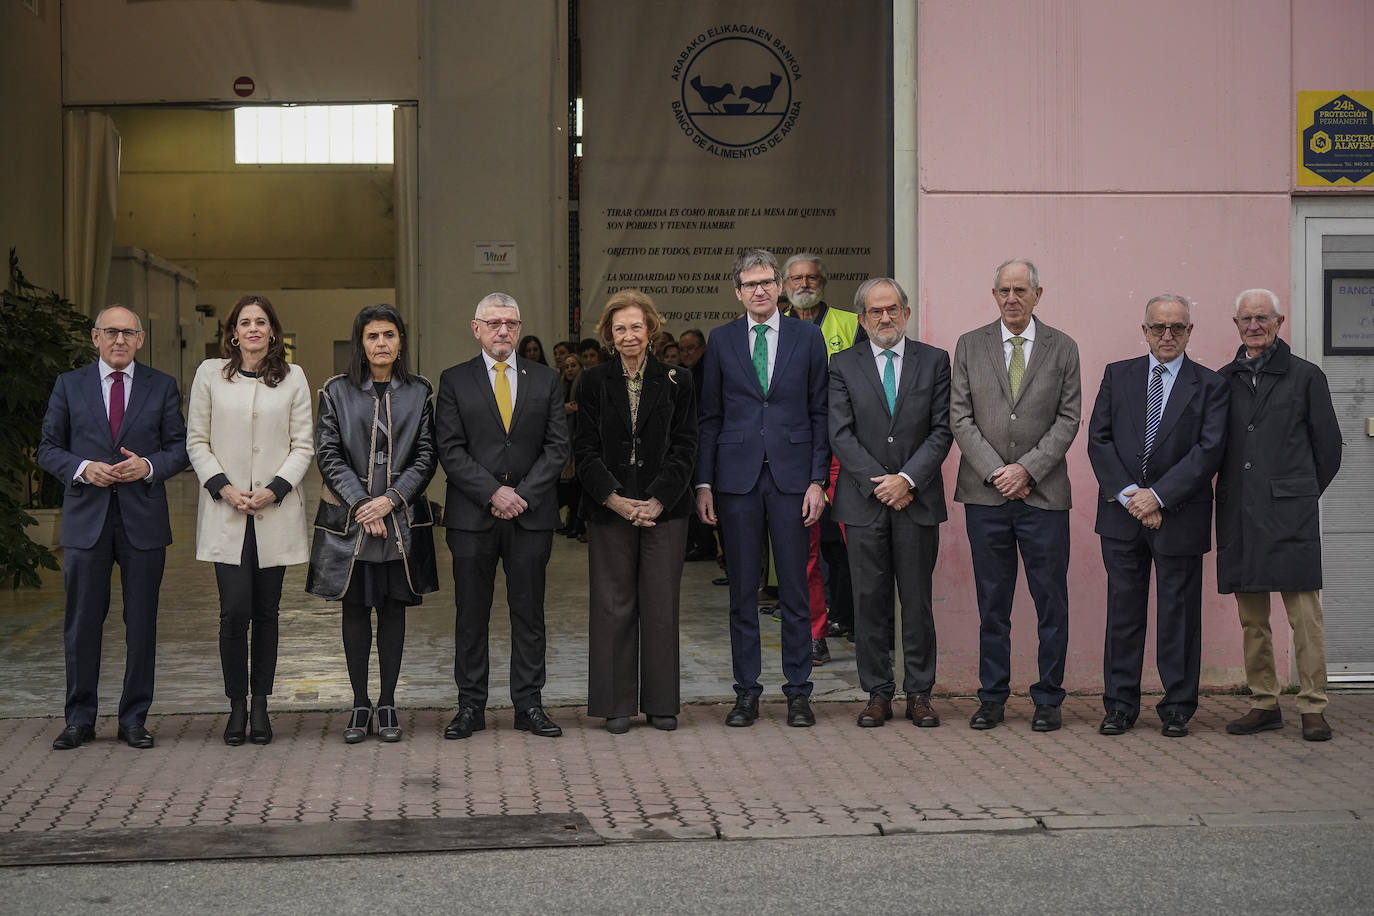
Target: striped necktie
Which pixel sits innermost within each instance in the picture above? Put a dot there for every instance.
(1154, 408)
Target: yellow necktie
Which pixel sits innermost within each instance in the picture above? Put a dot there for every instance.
(1017, 369)
(503, 394)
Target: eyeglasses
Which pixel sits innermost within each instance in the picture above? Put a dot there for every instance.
(1178, 328)
(113, 334)
(805, 278)
(751, 285)
(1261, 320)
(891, 311)
(510, 324)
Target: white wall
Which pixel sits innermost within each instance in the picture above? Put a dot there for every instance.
(31, 139)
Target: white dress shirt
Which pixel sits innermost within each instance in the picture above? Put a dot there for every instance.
(1027, 342)
(1168, 378)
(511, 374)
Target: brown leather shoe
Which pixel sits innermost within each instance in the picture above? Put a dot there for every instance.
(1255, 721)
(920, 712)
(878, 711)
(1314, 727)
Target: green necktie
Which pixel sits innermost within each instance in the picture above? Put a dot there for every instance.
(761, 355)
(890, 382)
(1017, 369)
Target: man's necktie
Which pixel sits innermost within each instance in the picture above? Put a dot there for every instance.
(1017, 369)
(1154, 408)
(761, 355)
(502, 389)
(890, 382)
(116, 404)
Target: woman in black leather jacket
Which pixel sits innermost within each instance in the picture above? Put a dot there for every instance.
(374, 544)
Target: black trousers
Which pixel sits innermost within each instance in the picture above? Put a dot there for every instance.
(86, 575)
(894, 550)
(249, 598)
(525, 556)
(634, 580)
(1178, 625)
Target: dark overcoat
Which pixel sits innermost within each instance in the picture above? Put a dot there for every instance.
(1283, 447)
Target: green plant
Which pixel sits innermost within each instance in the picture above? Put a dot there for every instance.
(42, 335)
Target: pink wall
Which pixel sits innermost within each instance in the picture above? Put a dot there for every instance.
(1128, 149)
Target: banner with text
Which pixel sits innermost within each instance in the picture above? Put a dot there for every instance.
(715, 126)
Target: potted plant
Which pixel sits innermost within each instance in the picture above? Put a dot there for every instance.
(43, 336)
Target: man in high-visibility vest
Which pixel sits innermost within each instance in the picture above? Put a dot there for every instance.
(803, 282)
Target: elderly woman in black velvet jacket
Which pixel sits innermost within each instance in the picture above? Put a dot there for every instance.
(635, 445)
(374, 542)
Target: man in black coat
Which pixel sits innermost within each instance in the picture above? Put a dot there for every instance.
(1155, 441)
(503, 440)
(1283, 448)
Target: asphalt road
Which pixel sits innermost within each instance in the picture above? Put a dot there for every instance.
(1213, 871)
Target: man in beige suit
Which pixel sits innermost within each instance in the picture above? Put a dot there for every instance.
(1014, 406)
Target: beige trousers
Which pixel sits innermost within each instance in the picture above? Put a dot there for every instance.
(1309, 644)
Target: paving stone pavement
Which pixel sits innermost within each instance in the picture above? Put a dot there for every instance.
(705, 780)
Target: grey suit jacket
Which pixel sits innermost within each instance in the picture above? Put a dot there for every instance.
(870, 441)
(1034, 431)
(478, 455)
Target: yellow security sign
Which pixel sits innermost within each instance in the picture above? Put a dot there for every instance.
(1335, 139)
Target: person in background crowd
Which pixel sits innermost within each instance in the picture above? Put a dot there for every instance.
(503, 440)
(701, 537)
(531, 349)
(560, 352)
(374, 540)
(671, 355)
(589, 351)
(250, 438)
(569, 490)
(803, 282)
(1283, 449)
(635, 447)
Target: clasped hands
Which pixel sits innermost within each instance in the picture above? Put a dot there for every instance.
(893, 491)
(638, 512)
(100, 474)
(1012, 480)
(1145, 507)
(506, 503)
(248, 502)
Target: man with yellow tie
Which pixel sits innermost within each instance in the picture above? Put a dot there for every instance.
(503, 440)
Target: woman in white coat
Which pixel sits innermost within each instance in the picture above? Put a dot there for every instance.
(250, 436)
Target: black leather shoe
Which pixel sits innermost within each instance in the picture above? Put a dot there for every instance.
(1046, 719)
(663, 723)
(1115, 722)
(259, 723)
(721, 580)
(537, 722)
(745, 713)
(799, 714)
(136, 736)
(617, 725)
(820, 652)
(469, 719)
(1175, 725)
(236, 729)
(987, 716)
(73, 736)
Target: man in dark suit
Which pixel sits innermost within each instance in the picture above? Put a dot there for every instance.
(889, 428)
(503, 439)
(113, 434)
(1014, 406)
(1155, 440)
(763, 460)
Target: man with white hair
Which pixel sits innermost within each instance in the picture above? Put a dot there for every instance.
(1283, 449)
(503, 439)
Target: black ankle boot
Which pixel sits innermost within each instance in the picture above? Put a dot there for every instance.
(238, 718)
(260, 726)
